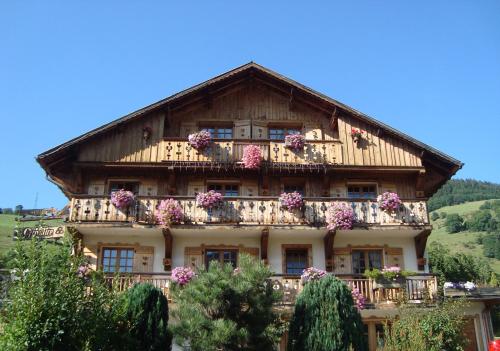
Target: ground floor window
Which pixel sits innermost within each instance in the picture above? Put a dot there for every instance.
(366, 259)
(223, 256)
(296, 260)
(117, 260)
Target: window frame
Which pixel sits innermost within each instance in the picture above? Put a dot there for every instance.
(285, 131)
(362, 184)
(124, 181)
(221, 257)
(295, 247)
(118, 258)
(217, 125)
(224, 184)
(366, 252)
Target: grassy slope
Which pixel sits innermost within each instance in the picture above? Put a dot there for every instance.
(463, 241)
(7, 225)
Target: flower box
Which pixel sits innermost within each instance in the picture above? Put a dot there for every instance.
(295, 141)
(122, 199)
(200, 140)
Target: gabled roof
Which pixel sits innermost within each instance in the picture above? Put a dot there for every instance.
(252, 68)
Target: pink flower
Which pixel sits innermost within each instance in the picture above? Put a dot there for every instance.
(182, 275)
(358, 298)
(295, 141)
(169, 211)
(209, 199)
(252, 157)
(339, 216)
(291, 201)
(312, 273)
(122, 198)
(200, 140)
(389, 201)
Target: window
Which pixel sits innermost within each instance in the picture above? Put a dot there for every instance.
(117, 260)
(290, 188)
(362, 191)
(280, 133)
(130, 186)
(225, 189)
(366, 259)
(223, 256)
(296, 261)
(220, 132)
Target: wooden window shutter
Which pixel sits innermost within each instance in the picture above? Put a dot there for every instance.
(394, 257)
(338, 190)
(252, 251)
(148, 188)
(312, 132)
(249, 188)
(143, 259)
(342, 261)
(193, 257)
(390, 187)
(96, 188)
(241, 129)
(195, 186)
(259, 130)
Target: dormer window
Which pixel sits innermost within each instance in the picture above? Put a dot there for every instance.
(280, 133)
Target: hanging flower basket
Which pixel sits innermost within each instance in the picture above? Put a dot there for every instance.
(200, 140)
(295, 141)
(291, 201)
(389, 202)
(357, 134)
(182, 275)
(208, 200)
(312, 273)
(339, 216)
(122, 199)
(169, 212)
(252, 157)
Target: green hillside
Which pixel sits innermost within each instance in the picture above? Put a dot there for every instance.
(465, 241)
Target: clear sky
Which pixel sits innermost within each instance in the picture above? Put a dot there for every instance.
(428, 68)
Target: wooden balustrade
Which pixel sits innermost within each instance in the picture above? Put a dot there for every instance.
(414, 288)
(273, 152)
(246, 210)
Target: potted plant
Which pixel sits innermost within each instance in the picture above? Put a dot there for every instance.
(295, 141)
(357, 134)
(169, 212)
(459, 288)
(389, 202)
(200, 140)
(252, 157)
(209, 200)
(182, 275)
(122, 198)
(312, 273)
(389, 277)
(291, 201)
(339, 216)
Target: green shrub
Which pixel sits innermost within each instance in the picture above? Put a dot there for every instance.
(434, 216)
(427, 329)
(325, 318)
(223, 309)
(146, 313)
(454, 223)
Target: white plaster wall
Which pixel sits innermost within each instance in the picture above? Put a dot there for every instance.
(274, 253)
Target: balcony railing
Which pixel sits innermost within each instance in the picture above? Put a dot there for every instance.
(413, 289)
(246, 210)
(323, 152)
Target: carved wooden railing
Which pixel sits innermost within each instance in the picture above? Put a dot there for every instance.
(246, 210)
(414, 289)
(327, 152)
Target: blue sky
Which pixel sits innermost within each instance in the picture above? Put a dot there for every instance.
(428, 68)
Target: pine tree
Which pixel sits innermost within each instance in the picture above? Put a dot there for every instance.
(325, 318)
(226, 309)
(146, 310)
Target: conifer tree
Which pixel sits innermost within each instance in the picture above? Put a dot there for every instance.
(325, 318)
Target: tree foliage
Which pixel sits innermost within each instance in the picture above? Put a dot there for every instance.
(146, 311)
(434, 329)
(226, 309)
(325, 318)
(454, 223)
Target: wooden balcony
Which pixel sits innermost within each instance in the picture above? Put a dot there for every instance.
(422, 288)
(230, 152)
(246, 211)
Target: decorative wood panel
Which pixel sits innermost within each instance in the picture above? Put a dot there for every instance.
(193, 257)
(394, 257)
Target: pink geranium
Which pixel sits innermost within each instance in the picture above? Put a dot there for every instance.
(182, 275)
(210, 199)
(389, 201)
(358, 298)
(200, 140)
(252, 157)
(339, 216)
(312, 273)
(169, 211)
(295, 141)
(122, 198)
(291, 201)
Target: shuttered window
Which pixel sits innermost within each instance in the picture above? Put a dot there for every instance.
(362, 191)
(225, 189)
(280, 133)
(117, 260)
(220, 132)
(366, 259)
(296, 261)
(223, 256)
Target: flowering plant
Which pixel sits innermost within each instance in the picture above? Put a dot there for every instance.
(209, 199)
(391, 272)
(200, 140)
(295, 141)
(252, 157)
(291, 201)
(122, 198)
(357, 134)
(389, 202)
(182, 275)
(358, 298)
(312, 273)
(469, 286)
(169, 211)
(339, 216)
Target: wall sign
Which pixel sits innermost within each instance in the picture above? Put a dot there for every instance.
(38, 232)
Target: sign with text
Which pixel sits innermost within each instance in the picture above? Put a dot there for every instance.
(38, 232)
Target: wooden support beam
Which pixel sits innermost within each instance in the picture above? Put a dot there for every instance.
(420, 243)
(172, 189)
(77, 240)
(334, 119)
(326, 185)
(328, 243)
(167, 260)
(265, 185)
(264, 244)
(292, 105)
(420, 184)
